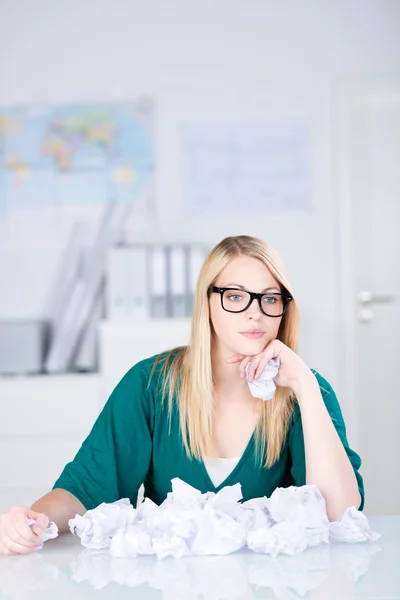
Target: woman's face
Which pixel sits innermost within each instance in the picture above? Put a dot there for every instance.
(232, 331)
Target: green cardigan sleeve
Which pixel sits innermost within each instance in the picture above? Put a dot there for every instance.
(296, 439)
(114, 459)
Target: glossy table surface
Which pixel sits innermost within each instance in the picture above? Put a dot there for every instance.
(64, 569)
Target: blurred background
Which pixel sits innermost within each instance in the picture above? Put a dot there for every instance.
(134, 136)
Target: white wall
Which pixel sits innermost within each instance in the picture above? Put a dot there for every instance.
(210, 61)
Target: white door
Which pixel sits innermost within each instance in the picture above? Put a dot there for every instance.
(367, 121)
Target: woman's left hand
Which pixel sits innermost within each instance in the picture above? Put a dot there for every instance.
(293, 371)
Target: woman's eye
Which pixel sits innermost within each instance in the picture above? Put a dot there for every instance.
(270, 299)
(235, 297)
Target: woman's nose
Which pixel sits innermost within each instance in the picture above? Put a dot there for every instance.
(254, 310)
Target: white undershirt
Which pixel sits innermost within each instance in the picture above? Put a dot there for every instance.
(218, 469)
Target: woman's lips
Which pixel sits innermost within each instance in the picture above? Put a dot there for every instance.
(253, 335)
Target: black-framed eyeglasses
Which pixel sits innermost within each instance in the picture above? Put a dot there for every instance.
(272, 304)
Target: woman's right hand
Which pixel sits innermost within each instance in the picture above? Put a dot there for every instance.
(16, 536)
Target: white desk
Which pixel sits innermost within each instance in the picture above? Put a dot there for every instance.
(63, 569)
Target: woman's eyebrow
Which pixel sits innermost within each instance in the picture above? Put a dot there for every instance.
(241, 287)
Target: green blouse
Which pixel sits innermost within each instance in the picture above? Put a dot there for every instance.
(130, 444)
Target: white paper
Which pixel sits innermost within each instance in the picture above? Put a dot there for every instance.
(98, 526)
(352, 527)
(264, 387)
(295, 519)
(49, 533)
(191, 523)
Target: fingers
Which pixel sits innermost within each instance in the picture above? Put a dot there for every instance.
(259, 362)
(17, 528)
(41, 522)
(253, 362)
(9, 547)
(16, 536)
(12, 531)
(4, 550)
(37, 529)
(265, 358)
(273, 350)
(40, 518)
(24, 534)
(253, 365)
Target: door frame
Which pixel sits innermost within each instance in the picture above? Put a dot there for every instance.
(347, 93)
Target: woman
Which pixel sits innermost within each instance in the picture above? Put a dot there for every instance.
(190, 413)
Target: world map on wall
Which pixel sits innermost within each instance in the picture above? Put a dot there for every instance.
(77, 154)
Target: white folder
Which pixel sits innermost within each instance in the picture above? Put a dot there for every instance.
(137, 283)
(158, 282)
(116, 283)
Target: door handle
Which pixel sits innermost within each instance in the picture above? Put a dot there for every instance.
(365, 298)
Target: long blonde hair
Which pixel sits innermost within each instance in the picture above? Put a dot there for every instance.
(186, 374)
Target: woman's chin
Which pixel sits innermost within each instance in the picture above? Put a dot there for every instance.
(251, 347)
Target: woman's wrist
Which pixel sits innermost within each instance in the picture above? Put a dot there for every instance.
(305, 385)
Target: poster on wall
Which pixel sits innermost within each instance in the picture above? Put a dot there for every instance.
(238, 168)
(70, 160)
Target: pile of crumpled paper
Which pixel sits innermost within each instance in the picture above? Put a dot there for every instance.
(191, 523)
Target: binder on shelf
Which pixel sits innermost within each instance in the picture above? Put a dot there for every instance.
(158, 283)
(127, 283)
(117, 282)
(177, 281)
(137, 296)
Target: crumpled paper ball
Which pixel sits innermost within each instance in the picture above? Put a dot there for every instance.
(191, 523)
(264, 387)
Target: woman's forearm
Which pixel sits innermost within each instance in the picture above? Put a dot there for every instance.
(327, 464)
(59, 506)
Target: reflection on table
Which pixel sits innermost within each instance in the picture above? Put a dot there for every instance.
(64, 568)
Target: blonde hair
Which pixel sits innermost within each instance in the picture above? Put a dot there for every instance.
(186, 374)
